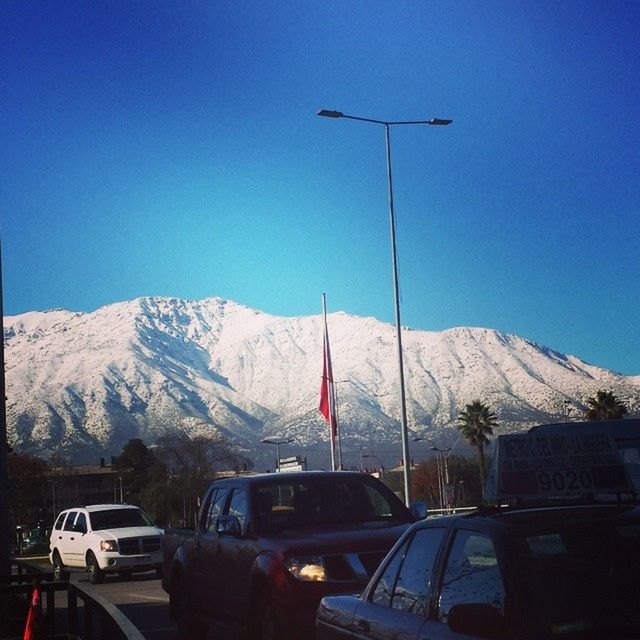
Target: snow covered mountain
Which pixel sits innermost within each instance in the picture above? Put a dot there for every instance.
(82, 384)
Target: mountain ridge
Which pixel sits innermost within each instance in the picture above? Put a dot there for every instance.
(81, 384)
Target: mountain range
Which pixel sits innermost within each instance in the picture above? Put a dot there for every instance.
(80, 385)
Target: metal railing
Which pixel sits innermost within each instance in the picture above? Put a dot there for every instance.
(88, 615)
(450, 511)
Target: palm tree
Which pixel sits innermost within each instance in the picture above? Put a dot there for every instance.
(605, 406)
(475, 424)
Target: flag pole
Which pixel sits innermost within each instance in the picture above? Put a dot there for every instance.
(328, 386)
(338, 439)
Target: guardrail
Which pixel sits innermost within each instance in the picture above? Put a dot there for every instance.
(88, 615)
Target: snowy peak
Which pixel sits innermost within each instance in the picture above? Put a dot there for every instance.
(82, 384)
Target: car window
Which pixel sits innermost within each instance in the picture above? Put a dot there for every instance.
(216, 504)
(316, 501)
(377, 504)
(414, 578)
(383, 591)
(582, 576)
(117, 518)
(68, 525)
(239, 506)
(81, 523)
(472, 574)
(60, 520)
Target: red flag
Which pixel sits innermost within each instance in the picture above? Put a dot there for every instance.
(326, 390)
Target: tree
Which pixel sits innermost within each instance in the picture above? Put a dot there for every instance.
(425, 483)
(134, 466)
(191, 463)
(476, 424)
(463, 475)
(605, 406)
(28, 489)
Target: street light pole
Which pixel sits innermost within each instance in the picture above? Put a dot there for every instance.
(327, 113)
(396, 297)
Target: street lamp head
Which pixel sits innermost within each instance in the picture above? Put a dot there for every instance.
(327, 113)
(439, 121)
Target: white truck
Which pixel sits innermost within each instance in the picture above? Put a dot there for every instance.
(101, 538)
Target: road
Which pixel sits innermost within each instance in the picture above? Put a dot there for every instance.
(140, 598)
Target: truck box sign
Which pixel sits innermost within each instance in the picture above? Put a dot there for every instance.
(555, 464)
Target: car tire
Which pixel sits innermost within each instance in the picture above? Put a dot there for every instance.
(59, 572)
(96, 574)
(266, 625)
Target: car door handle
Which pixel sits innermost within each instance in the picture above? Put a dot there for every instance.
(363, 625)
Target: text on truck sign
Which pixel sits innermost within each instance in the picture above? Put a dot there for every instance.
(539, 466)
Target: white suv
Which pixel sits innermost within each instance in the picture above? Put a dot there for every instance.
(105, 538)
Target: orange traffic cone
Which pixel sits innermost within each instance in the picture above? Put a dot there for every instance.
(34, 629)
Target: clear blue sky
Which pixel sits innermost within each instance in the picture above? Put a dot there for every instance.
(172, 148)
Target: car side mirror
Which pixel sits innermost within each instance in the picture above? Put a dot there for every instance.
(479, 620)
(229, 526)
(419, 510)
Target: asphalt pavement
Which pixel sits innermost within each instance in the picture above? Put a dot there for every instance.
(140, 598)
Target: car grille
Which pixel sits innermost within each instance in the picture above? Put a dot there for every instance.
(135, 546)
(352, 567)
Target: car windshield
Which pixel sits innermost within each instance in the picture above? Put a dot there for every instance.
(295, 503)
(118, 518)
(583, 577)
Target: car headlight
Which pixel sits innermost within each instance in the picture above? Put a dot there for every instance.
(108, 545)
(308, 569)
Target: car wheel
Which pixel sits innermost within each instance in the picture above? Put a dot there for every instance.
(58, 567)
(266, 621)
(96, 574)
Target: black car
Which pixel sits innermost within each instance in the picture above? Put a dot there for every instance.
(558, 559)
(554, 573)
